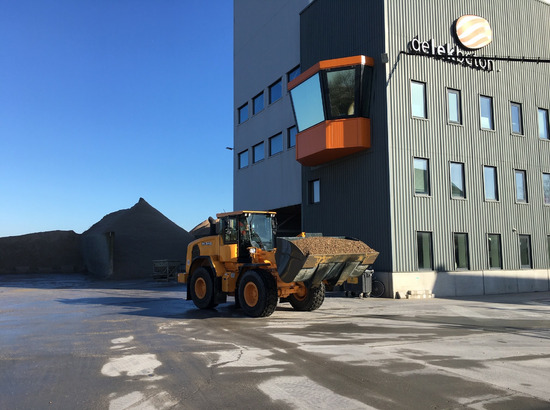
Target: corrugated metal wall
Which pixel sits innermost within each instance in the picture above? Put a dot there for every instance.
(354, 190)
(521, 28)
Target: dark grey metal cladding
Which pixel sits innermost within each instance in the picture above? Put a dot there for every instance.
(354, 190)
(520, 28)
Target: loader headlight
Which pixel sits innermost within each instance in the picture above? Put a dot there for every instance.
(252, 251)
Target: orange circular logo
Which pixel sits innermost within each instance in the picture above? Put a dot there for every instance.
(473, 32)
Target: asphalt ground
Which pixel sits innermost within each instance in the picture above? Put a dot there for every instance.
(69, 342)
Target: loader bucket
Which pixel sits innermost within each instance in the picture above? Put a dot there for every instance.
(319, 258)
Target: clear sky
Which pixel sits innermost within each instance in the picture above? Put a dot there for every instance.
(106, 101)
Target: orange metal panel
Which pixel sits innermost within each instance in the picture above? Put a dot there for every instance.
(328, 64)
(331, 140)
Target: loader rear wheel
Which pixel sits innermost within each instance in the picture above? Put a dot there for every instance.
(202, 289)
(309, 300)
(257, 293)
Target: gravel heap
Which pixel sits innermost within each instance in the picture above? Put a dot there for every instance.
(124, 244)
(42, 252)
(325, 245)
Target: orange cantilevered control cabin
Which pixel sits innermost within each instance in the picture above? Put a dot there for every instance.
(331, 103)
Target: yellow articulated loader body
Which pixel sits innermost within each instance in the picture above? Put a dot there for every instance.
(243, 258)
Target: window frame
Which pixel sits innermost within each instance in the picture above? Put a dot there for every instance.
(499, 236)
(497, 193)
(289, 132)
(492, 108)
(456, 250)
(545, 198)
(279, 82)
(458, 93)
(261, 98)
(424, 99)
(270, 145)
(428, 182)
(520, 112)
(526, 194)
(431, 248)
(254, 148)
(239, 162)
(314, 191)
(529, 251)
(240, 110)
(463, 177)
(545, 126)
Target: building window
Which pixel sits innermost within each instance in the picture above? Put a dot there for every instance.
(461, 251)
(421, 177)
(276, 144)
(314, 191)
(517, 118)
(490, 183)
(258, 152)
(454, 106)
(546, 188)
(275, 91)
(418, 99)
(292, 131)
(243, 113)
(292, 74)
(543, 124)
(521, 186)
(486, 112)
(258, 103)
(424, 250)
(525, 251)
(495, 251)
(458, 189)
(243, 159)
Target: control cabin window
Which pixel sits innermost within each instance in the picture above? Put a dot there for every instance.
(308, 103)
(341, 91)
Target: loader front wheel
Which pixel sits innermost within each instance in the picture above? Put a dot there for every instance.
(310, 299)
(202, 289)
(257, 293)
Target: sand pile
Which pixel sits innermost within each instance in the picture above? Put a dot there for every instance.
(43, 252)
(124, 243)
(326, 245)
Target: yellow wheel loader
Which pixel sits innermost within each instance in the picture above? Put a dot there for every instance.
(243, 258)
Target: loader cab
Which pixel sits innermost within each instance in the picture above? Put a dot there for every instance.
(248, 230)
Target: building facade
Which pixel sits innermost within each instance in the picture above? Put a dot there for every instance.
(453, 186)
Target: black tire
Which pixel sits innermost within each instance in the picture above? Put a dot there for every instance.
(312, 300)
(378, 289)
(257, 293)
(202, 289)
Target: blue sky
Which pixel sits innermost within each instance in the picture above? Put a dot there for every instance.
(106, 101)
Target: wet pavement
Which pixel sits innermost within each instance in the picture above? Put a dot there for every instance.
(70, 342)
